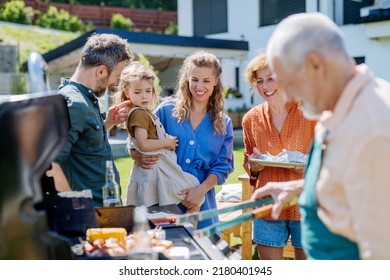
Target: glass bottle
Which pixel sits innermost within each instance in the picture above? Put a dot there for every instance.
(111, 192)
(142, 249)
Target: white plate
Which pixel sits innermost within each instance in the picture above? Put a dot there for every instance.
(277, 163)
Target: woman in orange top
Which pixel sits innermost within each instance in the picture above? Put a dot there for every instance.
(272, 127)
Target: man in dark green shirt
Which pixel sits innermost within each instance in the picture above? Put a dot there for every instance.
(81, 164)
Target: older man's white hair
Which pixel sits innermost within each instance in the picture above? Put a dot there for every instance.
(300, 34)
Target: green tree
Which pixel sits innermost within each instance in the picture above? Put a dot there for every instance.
(16, 11)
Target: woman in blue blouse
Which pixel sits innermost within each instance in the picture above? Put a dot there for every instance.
(205, 133)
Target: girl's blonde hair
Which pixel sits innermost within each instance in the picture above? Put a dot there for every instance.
(257, 63)
(184, 99)
(136, 71)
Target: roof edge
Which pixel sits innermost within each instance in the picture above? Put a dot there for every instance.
(148, 38)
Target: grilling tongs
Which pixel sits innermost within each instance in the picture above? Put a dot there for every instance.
(264, 207)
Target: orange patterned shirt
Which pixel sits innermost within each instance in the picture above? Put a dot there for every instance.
(296, 135)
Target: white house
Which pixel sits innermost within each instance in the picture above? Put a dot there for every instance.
(165, 52)
(235, 30)
(366, 24)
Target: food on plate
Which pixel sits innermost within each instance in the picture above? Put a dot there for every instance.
(165, 243)
(157, 233)
(285, 156)
(115, 242)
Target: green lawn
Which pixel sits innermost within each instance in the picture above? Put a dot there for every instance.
(125, 164)
(32, 38)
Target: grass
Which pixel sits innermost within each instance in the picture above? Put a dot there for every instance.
(125, 164)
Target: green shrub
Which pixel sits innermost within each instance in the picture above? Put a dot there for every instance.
(233, 92)
(88, 26)
(118, 21)
(18, 84)
(16, 11)
(75, 24)
(60, 20)
(171, 29)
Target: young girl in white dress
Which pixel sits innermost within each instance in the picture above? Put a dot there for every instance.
(161, 183)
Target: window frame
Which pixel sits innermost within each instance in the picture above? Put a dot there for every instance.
(280, 10)
(208, 18)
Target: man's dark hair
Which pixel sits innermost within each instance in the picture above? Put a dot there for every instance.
(105, 49)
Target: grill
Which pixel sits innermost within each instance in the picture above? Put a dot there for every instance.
(33, 130)
(201, 247)
(35, 223)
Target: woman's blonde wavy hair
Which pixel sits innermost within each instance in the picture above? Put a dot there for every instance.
(184, 99)
(259, 62)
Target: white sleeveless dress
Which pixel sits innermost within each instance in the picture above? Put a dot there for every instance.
(161, 184)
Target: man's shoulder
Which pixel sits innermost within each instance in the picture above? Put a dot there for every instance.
(73, 95)
(374, 101)
(69, 89)
(382, 89)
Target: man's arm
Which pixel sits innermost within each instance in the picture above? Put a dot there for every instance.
(116, 114)
(281, 192)
(60, 182)
(145, 161)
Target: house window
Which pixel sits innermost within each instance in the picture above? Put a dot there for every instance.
(274, 11)
(352, 9)
(210, 17)
(359, 59)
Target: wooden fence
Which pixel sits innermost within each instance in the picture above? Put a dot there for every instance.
(100, 16)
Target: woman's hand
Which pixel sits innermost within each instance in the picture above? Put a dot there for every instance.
(281, 192)
(299, 169)
(253, 166)
(145, 161)
(193, 199)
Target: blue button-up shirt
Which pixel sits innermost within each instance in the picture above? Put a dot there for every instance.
(201, 152)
